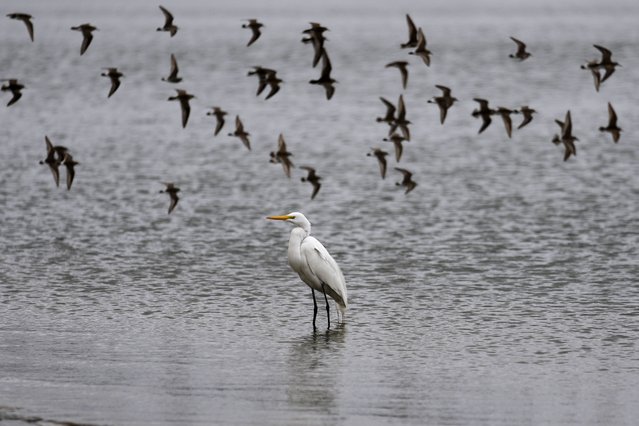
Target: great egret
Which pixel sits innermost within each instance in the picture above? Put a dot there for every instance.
(315, 266)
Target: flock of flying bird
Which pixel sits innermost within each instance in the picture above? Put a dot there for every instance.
(395, 116)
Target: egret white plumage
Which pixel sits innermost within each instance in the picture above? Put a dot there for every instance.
(315, 266)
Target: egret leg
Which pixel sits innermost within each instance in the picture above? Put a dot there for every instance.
(328, 313)
(314, 308)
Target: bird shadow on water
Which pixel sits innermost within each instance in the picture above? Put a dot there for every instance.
(315, 369)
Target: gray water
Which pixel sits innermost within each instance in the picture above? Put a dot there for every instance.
(502, 291)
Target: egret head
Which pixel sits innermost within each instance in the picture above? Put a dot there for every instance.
(296, 218)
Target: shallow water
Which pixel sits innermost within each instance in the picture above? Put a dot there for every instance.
(501, 291)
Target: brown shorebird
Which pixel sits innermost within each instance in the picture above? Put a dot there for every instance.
(87, 36)
(528, 115)
(484, 111)
(612, 127)
(26, 18)
(401, 66)
(15, 88)
(420, 49)
(316, 37)
(566, 137)
(444, 102)
(313, 179)
(55, 155)
(407, 181)
(219, 116)
(184, 99)
(241, 133)
(168, 22)
(255, 26)
(173, 75)
(521, 53)
(282, 156)
(115, 76)
(381, 159)
(172, 190)
(325, 79)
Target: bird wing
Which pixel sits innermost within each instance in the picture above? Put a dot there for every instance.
(406, 173)
(381, 159)
(612, 116)
(86, 41)
(486, 120)
(443, 109)
(245, 140)
(219, 125)
(316, 188)
(174, 201)
(327, 67)
(606, 55)
(115, 83)
(281, 144)
(412, 30)
(521, 46)
(401, 109)
(596, 78)
(445, 90)
(566, 130)
(168, 17)
(527, 118)
(324, 267)
(239, 127)
(610, 69)
(508, 124)
(174, 68)
(256, 34)
(390, 108)
(186, 110)
(29, 25)
(330, 90)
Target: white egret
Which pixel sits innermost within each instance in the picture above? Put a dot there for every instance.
(315, 266)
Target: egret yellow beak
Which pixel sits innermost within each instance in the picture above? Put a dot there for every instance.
(280, 217)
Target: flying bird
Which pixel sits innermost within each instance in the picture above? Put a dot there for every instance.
(484, 111)
(184, 99)
(397, 140)
(612, 127)
(606, 63)
(316, 37)
(315, 266)
(168, 22)
(266, 77)
(444, 102)
(381, 160)
(566, 137)
(313, 179)
(325, 79)
(26, 18)
(70, 164)
(521, 53)
(172, 190)
(412, 33)
(173, 75)
(219, 116)
(55, 155)
(420, 49)
(401, 66)
(407, 181)
(15, 88)
(241, 133)
(400, 121)
(389, 118)
(527, 112)
(282, 156)
(505, 116)
(87, 36)
(255, 26)
(115, 76)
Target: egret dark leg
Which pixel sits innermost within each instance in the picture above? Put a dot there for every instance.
(314, 308)
(328, 313)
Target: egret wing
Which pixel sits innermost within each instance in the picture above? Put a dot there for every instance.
(322, 264)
